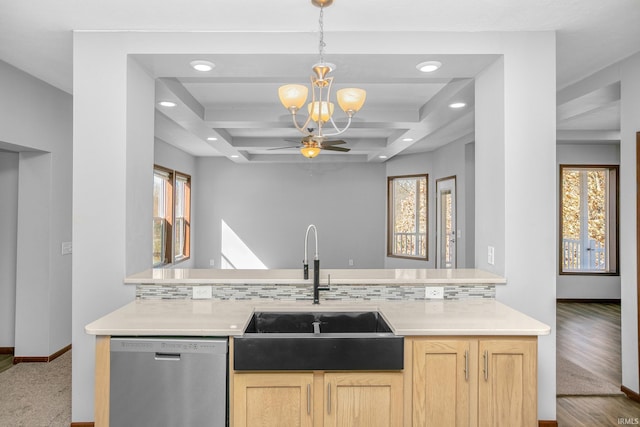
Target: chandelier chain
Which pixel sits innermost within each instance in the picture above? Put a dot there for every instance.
(322, 44)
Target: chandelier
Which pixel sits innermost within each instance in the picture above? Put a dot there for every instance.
(320, 109)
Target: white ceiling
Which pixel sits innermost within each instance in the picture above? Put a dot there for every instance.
(242, 110)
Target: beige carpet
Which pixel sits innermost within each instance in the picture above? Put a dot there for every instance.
(573, 380)
(37, 394)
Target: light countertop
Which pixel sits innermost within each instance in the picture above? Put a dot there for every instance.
(294, 276)
(229, 318)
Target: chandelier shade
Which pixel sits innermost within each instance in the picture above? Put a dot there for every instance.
(320, 111)
(351, 99)
(293, 96)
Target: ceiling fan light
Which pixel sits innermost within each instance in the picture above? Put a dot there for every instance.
(351, 99)
(293, 96)
(320, 110)
(310, 152)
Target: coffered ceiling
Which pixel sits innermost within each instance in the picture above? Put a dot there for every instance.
(237, 101)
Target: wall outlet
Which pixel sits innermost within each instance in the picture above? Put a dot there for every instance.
(434, 292)
(212, 263)
(202, 292)
(350, 262)
(491, 255)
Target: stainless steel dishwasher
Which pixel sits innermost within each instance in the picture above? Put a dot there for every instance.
(168, 382)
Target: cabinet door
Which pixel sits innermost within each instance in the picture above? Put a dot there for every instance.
(363, 399)
(273, 400)
(507, 388)
(442, 383)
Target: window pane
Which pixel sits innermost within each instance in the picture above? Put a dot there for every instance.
(182, 202)
(408, 216)
(160, 183)
(588, 216)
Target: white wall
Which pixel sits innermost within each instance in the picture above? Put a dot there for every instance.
(269, 206)
(591, 286)
(516, 187)
(524, 96)
(8, 243)
(172, 158)
(629, 125)
(43, 274)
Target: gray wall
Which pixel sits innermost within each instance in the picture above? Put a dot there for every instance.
(269, 206)
(446, 161)
(35, 120)
(8, 243)
(592, 286)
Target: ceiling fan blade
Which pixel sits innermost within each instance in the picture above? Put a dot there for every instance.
(331, 148)
(334, 142)
(282, 148)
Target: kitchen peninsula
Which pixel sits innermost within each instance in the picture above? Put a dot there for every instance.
(475, 348)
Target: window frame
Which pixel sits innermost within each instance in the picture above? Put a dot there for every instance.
(613, 231)
(184, 254)
(169, 255)
(391, 218)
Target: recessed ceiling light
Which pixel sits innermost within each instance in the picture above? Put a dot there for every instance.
(167, 103)
(382, 157)
(212, 138)
(200, 65)
(429, 66)
(234, 156)
(457, 105)
(407, 139)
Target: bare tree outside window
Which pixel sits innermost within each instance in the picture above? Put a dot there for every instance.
(588, 219)
(407, 216)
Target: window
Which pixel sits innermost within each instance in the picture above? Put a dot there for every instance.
(588, 219)
(407, 216)
(171, 216)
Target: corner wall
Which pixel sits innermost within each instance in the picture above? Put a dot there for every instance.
(629, 126)
(42, 272)
(8, 243)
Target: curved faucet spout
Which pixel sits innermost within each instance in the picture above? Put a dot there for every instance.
(306, 243)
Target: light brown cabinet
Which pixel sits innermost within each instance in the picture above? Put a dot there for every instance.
(474, 382)
(282, 399)
(331, 399)
(507, 387)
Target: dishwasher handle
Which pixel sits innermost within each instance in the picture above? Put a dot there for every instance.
(167, 356)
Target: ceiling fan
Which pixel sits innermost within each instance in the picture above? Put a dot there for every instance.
(311, 145)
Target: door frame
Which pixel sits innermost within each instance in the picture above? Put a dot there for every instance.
(455, 218)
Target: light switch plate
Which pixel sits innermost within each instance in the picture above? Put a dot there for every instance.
(66, 248)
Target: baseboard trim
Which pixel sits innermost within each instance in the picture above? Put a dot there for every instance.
(41, 359)
(630, 393)
(7, 350)
(587, 300)
(80, 424)
(547, 423)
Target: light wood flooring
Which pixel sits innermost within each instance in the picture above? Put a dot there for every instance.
(588, 334)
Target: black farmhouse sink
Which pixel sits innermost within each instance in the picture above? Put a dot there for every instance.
(318, 341)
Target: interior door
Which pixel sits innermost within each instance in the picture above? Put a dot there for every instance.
(446, 222)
